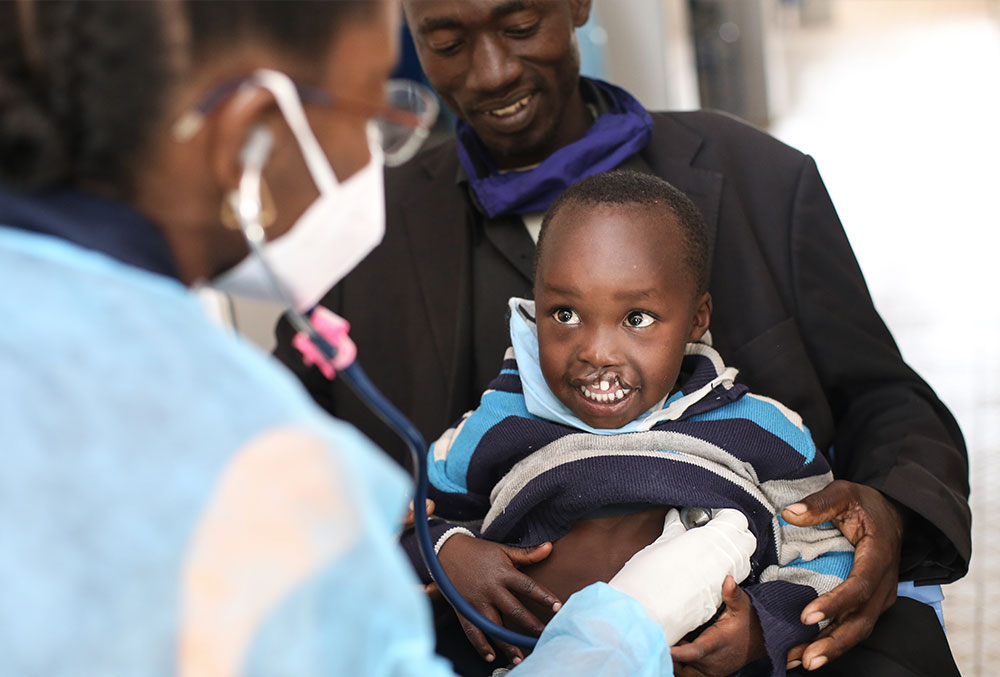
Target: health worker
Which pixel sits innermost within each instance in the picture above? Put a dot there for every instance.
(172, 501)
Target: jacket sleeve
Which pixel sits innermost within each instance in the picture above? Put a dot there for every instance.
(892, 432)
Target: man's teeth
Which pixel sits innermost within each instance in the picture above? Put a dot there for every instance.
(606, 394)
(511, 109)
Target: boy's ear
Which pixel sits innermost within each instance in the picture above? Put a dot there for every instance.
(702, 317)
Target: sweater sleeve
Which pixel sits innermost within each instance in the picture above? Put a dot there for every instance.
(812, 561)
(800, 563)
(462, 464)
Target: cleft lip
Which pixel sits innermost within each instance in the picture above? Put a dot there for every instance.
(604, 389)
(594, 380)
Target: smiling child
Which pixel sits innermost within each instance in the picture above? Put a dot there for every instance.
(610, 410)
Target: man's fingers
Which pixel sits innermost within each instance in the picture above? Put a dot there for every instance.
(821, 506)
(795, 656)
(854, 594)
(835, 640)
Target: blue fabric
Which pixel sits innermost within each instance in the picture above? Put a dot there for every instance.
(124, 408)
(614, 137)
(450, 473)
(768, 416)
(594, 619)
(931, 595)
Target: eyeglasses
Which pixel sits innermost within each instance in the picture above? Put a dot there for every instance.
(403, 121)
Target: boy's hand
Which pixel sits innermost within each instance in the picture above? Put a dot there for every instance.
(487, 575)
(732, 641)
(408, 520)
(874, 526)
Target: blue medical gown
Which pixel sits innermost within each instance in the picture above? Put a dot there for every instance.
(159, 516)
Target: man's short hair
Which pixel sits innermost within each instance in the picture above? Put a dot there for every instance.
(628, 187)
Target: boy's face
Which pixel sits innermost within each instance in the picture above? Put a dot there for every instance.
(615, 306)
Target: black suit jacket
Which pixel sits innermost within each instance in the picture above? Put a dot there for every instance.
(791, 312)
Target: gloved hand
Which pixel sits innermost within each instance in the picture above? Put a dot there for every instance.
(678, 577)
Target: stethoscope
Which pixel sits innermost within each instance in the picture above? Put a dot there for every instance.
(248, 211)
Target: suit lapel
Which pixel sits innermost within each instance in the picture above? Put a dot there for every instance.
(437, 233)
(670, 155)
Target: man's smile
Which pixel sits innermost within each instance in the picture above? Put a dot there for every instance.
(508, 110)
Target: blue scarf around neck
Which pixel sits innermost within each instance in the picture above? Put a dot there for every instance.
(614, 137)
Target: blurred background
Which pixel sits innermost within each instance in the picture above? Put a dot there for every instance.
(899, 103)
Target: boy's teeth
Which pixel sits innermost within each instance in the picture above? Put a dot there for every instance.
(605, 394)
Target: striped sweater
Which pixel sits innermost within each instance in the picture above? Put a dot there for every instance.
(520, 479)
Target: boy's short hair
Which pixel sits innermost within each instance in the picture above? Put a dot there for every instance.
(628, 187)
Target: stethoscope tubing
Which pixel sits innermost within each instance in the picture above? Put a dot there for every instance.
(359, 383)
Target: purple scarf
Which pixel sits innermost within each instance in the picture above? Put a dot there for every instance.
(614, 136)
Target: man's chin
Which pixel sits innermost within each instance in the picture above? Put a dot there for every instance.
(515, 151)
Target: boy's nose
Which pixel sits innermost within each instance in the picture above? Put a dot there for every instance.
(599, 349)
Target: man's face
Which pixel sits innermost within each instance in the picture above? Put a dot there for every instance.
(615, 306)
(509, 68)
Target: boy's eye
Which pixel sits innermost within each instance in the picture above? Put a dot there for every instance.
(566, 316)
(638, 319)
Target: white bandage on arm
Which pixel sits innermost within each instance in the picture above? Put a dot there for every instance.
(678, 578)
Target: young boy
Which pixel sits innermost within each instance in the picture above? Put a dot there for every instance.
(610, 409)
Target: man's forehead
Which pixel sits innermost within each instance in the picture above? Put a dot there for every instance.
(428, 15)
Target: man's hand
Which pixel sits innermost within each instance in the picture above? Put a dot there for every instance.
(487, 575)
(735, 639)
(874, 525)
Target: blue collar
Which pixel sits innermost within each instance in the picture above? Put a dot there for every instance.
(92, 222)
(615, 136)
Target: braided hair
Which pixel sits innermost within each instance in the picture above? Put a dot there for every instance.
(82, 84)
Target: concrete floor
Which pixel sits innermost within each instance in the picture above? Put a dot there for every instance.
(899, 102)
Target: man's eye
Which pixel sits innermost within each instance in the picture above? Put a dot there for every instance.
(446, 48)
(638, 319)
(524, 31)
(566, 316)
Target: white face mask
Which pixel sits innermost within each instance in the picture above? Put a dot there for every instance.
(330, 238)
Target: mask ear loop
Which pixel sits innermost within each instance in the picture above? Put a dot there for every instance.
(246, 204)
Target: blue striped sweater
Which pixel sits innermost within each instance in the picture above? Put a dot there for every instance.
(519, 479)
